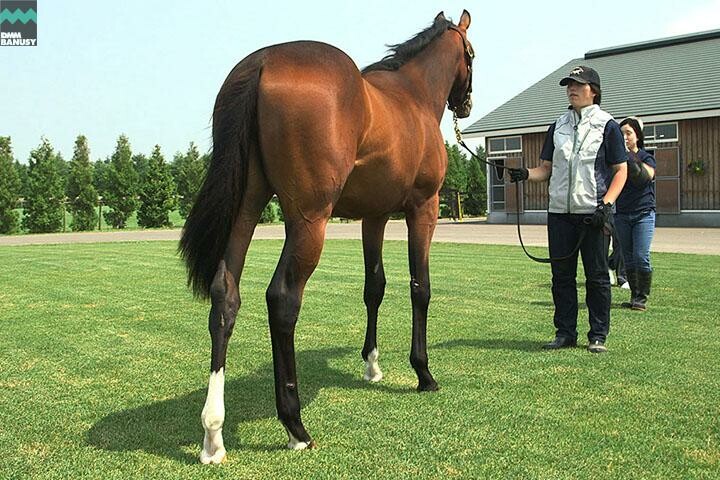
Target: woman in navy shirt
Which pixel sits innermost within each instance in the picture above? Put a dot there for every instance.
(635, 215)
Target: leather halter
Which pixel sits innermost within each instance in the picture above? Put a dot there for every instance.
(469, 56)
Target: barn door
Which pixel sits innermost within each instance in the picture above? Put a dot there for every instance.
(511, 205)
(667, 180)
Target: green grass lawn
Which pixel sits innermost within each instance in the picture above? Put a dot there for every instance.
(105, 359)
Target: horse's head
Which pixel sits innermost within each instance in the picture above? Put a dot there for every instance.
(459, 101)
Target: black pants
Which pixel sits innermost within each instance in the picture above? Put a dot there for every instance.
(564, 230)
(616, 261)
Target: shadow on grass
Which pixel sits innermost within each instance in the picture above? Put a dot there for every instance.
(164, 427)
(494, 344)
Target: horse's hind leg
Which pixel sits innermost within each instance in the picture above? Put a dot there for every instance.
(300, 256)
(225, 304)
(225, 298)
(372, 236)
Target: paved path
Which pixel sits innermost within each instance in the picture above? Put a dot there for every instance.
(684, 240)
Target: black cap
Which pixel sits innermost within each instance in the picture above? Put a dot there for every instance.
(582, 74)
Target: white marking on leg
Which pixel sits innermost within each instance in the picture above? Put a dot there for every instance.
(213, 417)
(294, 443)
(372, 368)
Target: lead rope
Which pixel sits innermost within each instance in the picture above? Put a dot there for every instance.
(583, 232)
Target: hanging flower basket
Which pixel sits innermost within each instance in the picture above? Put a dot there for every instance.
(697, 167)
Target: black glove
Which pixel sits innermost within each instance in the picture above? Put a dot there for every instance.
(518, 174)
(637, 174)
(634, 167)
(602, 215)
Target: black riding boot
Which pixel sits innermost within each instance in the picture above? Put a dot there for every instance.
(632, 278)
(643, 290)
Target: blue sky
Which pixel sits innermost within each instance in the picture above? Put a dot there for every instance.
(151, 69)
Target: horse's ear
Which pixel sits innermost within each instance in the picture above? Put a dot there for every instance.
(440, 16)
(464, 20)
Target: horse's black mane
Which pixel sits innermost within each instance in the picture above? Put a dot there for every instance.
(401, 53)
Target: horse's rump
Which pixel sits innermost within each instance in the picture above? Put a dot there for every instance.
(301, 107)
(312, 111)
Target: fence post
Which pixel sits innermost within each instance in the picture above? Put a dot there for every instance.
(63, 202)
(459, 206)
(100, 198)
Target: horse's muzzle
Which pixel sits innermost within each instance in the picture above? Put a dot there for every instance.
(463, 111)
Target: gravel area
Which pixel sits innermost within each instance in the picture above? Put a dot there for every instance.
(682, 240)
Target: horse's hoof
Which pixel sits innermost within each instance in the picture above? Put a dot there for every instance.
(429, 387)
(296, 445)
(220, 456)
(372, 368)
(373, 377)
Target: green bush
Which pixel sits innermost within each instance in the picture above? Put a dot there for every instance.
(272, 212)
(9, 188)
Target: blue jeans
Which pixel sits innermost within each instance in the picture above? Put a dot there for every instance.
(564, 230)
(635, 232)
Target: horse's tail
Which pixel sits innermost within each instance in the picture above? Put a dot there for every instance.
(209, 224)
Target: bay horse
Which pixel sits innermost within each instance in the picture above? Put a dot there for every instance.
(299, 120)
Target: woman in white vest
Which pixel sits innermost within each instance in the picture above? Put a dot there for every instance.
(584, 157)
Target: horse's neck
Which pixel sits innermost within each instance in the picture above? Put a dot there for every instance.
(431, 74)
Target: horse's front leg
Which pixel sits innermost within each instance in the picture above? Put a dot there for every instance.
(373, 230)
(421, 226)
(300, 256)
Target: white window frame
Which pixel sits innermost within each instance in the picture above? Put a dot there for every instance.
(654, 141)
(503, 152)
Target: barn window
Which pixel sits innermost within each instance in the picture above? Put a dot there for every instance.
(505, 145)
(661, 132)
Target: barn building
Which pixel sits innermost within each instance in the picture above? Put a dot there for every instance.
(673, 84)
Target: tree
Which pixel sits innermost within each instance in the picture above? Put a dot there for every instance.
(140, 162)
(101, 176)
(206, 159)
(456, 177)
(476, 200)
(9, 188)
(122, 187)
(157, 193)
(82, 196)
(272, 212)
(22, 173)
(189, 172)
(45, 193)
(63, 169)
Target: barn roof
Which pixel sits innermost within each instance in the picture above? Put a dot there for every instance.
(655, 78)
